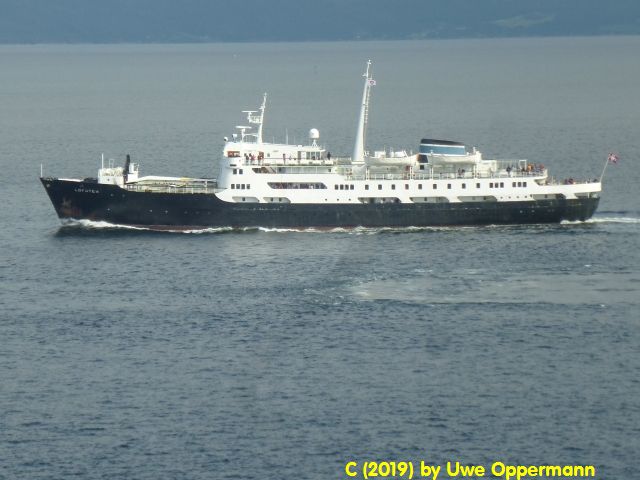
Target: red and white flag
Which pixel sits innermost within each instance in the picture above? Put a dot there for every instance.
(613, 158)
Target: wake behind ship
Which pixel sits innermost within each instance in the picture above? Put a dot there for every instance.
(273, 185)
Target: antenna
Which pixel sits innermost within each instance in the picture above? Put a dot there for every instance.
(257, 119)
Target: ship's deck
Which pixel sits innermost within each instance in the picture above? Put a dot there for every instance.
(174, 185)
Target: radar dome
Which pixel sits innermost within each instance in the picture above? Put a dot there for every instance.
(314, 134)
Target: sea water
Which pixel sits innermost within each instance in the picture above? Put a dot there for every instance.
(285, 354)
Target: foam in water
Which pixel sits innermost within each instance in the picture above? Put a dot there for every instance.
(628, 220)
(99, 224)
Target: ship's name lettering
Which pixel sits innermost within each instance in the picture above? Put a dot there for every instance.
(86, 190)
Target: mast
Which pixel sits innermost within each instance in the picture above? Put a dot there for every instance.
(258, 119)
(358, 149)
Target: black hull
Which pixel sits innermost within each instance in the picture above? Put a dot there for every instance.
(109, 203)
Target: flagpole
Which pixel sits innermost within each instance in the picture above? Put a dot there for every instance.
(606, 162)
(612, 158)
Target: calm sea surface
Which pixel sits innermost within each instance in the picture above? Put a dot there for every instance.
(283, 355)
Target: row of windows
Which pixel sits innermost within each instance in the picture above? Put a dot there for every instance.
(304, 186)
(435, 186)
(297, 185)
(238, 171)
(501, 184)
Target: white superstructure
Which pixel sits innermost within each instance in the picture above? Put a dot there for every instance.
(442, 172)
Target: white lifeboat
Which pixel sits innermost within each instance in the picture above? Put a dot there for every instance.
(398, 158)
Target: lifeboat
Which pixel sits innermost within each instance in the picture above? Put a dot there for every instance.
(383, 158)
(446, 152)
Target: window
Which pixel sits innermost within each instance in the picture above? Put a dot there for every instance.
(421, 167)
(233, 186)
(336, 187)
(248, 186)
(519, 184)
(524, 184)
(235, 171)
(406, 186)
(435, 186)
(464, 185)
(393, 187)
(513, 184)
(341, 187)
(477, 185)
(351, 187)
(449, 186)
(379, 187)
(240, 171)
(491, 185)
(366, 187)
(419, 186)
(501, 184)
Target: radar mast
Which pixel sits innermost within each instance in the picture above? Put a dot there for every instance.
(359, 147)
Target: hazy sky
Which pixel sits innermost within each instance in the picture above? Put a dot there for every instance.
(107, 21)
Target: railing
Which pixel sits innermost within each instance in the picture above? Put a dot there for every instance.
(193, 186)
(297, 169)
(279, 162)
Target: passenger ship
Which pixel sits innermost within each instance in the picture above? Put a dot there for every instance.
(270, 185)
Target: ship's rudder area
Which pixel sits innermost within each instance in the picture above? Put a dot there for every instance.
(581, 208)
